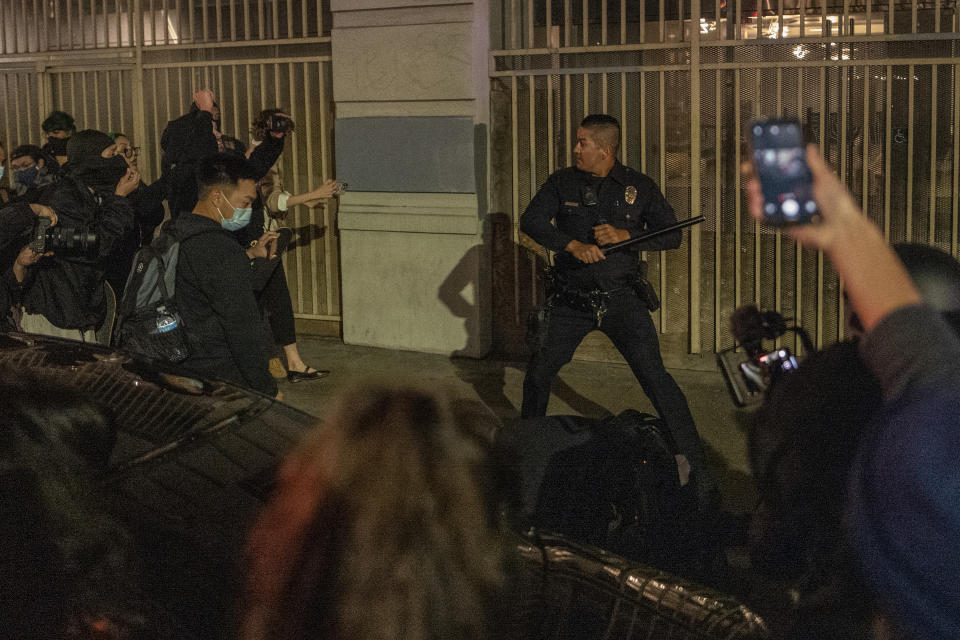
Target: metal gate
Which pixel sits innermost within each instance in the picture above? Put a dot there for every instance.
(876, 83)
(132, 65)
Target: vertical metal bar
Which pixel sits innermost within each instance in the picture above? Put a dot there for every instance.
(311, 172)
(662, 23)
(192, 20)
(205, 21)
(603, 93)
(515, 185)
(218, 5)
(662, 179)
(865, 177)
(717, 201)
(235, 105)
(585, 24)
(233, 20)
(139, 104)
(803, 28)
(910, 142)
(532, 133)
(3, 32)
(643, 123)
(275, 16)
(643, 23)
(936, 16)
(289, 19)
(530, 26)
(153, 24)
(83, 92)
(550, 146)
(931, 238)
(695, 184)
(780, 18)
(887, 153)
(304, 20)
(513, 24)
(261, 20)
(568, 120)
(798, 250)
(820, 265)
(80, 19)
(738, 201)
(890, 17)
(844, 25)
(623, 119)
(320, 28)
(246, 20)
(913, 15)
(757, 229)
(603, 23)
(955, 222)
(109, 101)
(869, 17)
(778, 237)
(566, 23)
(586, 96)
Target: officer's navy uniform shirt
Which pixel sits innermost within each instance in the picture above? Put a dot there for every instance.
(560, 212)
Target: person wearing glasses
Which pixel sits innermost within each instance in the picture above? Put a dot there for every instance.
(147, 201)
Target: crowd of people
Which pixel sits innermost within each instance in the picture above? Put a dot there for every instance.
(87, 185)
(385, 522)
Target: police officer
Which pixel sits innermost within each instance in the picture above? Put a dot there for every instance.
(577, 211)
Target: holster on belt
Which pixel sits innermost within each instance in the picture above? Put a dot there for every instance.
(644, 289)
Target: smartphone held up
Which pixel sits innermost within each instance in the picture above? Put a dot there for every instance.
(780, 162)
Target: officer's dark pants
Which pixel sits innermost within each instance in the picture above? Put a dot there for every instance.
(628, 325)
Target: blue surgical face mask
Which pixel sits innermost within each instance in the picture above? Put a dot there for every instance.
(240, 219)
(28, 177)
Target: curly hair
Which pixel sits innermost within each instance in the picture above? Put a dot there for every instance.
(261, 124)
(381, 526)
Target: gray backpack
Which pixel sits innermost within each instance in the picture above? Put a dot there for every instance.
(148, 323)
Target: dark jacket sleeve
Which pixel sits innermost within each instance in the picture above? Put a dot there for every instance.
(188, 139)
(15, 220)
(112, 220)
(266, 155)
(537, 220)
(657, 214)
(226, 273)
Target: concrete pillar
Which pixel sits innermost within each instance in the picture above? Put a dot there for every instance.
(411, 87)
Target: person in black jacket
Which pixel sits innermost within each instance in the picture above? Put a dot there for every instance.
(213, 285)
(148, 213)
(195, 136)
(17, 221)
(64, 294)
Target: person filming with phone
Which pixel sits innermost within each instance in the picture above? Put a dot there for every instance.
(902, 503)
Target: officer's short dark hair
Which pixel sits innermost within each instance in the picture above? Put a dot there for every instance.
(605, 130)
(222, 170)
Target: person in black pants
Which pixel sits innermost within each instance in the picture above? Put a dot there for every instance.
(577, 211)
(274, 201)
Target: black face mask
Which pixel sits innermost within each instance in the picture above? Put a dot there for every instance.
(58, 146)
(102, 174)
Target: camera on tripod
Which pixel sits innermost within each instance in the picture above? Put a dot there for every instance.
(280, 124)
(751, 372)
(63, 240)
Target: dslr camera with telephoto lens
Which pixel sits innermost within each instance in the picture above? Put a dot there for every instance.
(63, 240)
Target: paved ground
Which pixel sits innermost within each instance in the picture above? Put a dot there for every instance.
(583, 388)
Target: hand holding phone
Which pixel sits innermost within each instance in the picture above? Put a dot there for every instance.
(780, 163)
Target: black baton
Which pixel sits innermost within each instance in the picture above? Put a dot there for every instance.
(689, 222)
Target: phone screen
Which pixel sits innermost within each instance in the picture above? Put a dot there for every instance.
(780, 162)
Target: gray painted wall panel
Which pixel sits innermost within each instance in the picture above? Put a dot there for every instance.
(407, 154)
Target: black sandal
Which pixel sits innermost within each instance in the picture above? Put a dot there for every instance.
(301, 376)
